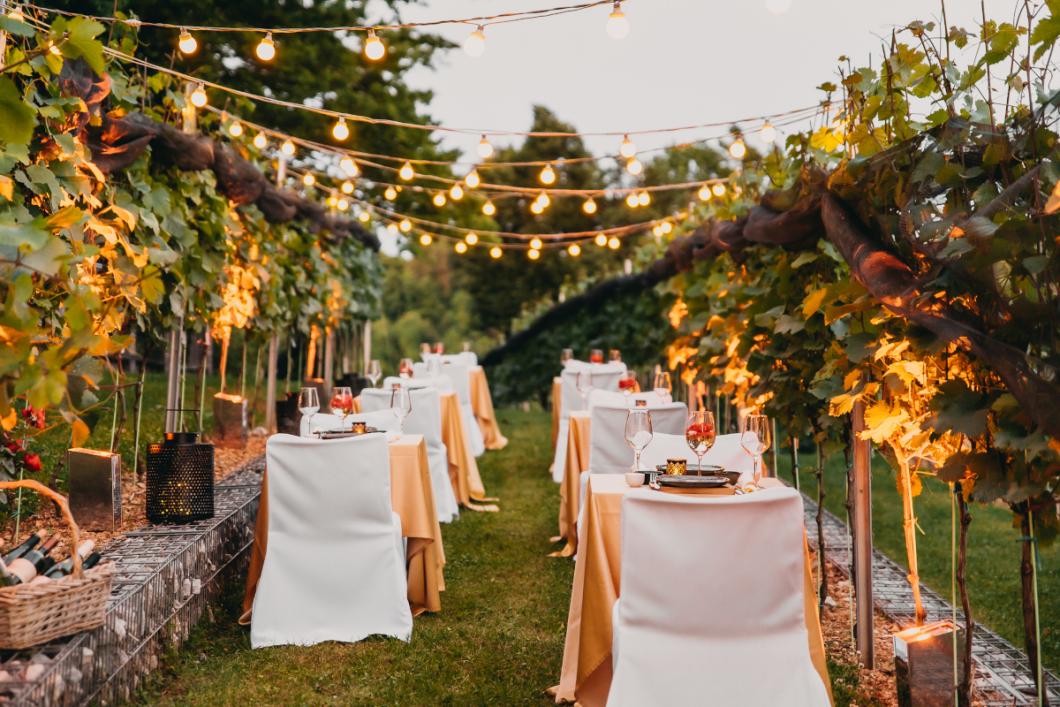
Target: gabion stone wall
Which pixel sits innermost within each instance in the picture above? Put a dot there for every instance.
(166, 576)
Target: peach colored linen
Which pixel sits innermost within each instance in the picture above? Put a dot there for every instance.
(586, 671)
(578, 442)
(463, 469)
(482, 405)
(413, 500)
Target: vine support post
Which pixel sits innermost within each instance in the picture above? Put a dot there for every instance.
(329, 360)
(270, 383)
(861, 508)
(173, 377)
(1029, 586)
(822, 593)
(366, 336)
(909, 530)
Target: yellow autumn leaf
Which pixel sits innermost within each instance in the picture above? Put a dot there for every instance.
(841, 404)
(813, 301)
(7, 187)
(882, 421)
(1053, 204)
(10, 420)
(851, 379)
(78, 432)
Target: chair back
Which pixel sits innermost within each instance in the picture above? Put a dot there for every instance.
(613, 399)
(425, 418)
(603, 376)
(325, 422)
(609, 453)
(726, 452)
(459, 375)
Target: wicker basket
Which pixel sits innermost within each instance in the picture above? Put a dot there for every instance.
(32, 614)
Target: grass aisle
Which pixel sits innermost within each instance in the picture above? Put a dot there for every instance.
(498, 639)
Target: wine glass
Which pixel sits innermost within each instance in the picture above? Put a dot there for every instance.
(663, 387)
(401, 404)
(584, 384)
(425, 348)
(755, 440)
(700, 434)
(439, 348)
(467, 347)
(596, 356)
(614, 356)
(375, 371)
(566, 355)
(628, 383)
(638, 433)
(405, 368)
(309, 404)
(342, 400)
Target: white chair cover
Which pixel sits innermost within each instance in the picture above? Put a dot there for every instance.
(613, 399)
(717, 618)
(459, 375)
(726, 453)
(384, 420)
(443, 384)
(425, 419)
(604, 376)
(608, 451)
(468, 358)
(335, 567)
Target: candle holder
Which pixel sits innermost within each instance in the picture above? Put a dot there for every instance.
(676, 467)
(95, 488)
(288, 417)
(229, 420)
(359, 427)
(923, 664)
(179, 479)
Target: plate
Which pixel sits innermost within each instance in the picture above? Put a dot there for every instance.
(341, 434)
(706, 469)
(693, 482)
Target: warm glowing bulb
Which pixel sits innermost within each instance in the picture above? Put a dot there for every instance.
(768, 133)
(489, 208)
(485, 149)
(600, 240)
(547, 176)
(198, 96)
(390, 194)
(718, 189)
(266, 49)
(456, 192)
(364, 217)
(644, 199)
(666, 227)
(349, 166)
(536, 208)
(471, 238)
(634, 167)
(613, 243)
(340, 131)
(533, 254)
(344, 204)
(287, 148)
(405, 226)
(472, 179)
(574, 249)
(187, 43)
(544, 200)
(617, 23)
(496, 252)
(738, 149)
(704, 193)
(260, 141)
(535, 243)
(347, 187)
(632, 201)
(460, 247)
(475, 43)
(628, 149)
(374, 49)
(589, 206)
(332, 201)
(439, 199)
(425, 239)
(235, 128)
(406, 172)
(309, 180)
(656, 231)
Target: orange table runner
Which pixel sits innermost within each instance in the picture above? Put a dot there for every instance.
(570, 488)
(482, 405)
(412, 498)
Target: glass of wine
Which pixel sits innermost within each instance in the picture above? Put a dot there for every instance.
(638, 433)
(755, 440)
(309, 404)
(663, 387)
(566, 355)
(439, 348)
(700, 434)
(405, 368)
(628, 383)
(375, 371)
(342, 401)
(401, 404)
(596, 356)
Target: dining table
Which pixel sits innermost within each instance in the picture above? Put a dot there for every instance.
(412, 498)
(585, 675)
(577, 461)
(482, 407)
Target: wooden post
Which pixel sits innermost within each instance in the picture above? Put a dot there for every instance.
(329, 360)
(173, 379)
(367, 340)
(862, 530)
(270, 383)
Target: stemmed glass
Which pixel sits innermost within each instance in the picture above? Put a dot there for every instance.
(755, 440)
(309, 404)
(342, 400)
(401, 404)
(467, 347)
(584, 385)
(375, 371)
(700, 434)
(638, 433)
(628, 383)
(405, 368)
(567, 355)
(596, 356)
(663, 387)
(439, 348)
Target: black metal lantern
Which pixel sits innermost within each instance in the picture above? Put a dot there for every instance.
(179, 479)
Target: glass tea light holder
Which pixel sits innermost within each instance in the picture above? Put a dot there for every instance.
(359, 427)
(230, 427)
(676, 467)
(923, 664)
(95, 488)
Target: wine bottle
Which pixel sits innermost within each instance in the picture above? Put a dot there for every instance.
(6, 578)
(66, 566)
(28, 544)
(25, 567)
(91, 561)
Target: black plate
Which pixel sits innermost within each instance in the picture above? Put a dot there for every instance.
(340, 434)
(693, 482)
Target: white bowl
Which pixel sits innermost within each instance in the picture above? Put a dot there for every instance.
(634, 478)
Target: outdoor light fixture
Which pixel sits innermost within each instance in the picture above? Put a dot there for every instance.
(471, 238)
(364, 217)
(266, 49)
(472, 179)
(617, 23)
(425, 239)
(634, 167)
(179, 479)
(628, 149)
(574, 249)
(632, 201)
(738, 149)
(456, 192)
(485, 149)
(439, 199)
(613, 243)
(533, 254)
(187, 44)
(535, 243)
(287, 148)
(536, 208)
(718, 189)
(198, 96)
(601, 240)
(347, 187)
(496, 252)
(489, 208)
(374, 49)
(260, 141)
(547, 175)
(460, 247)
(405, 226)
(235, 128)
(704, 193)
(768, 133)
(308, 179)
(644, 199)
(341, 130)
(923, 664)
(406, 172)
(390, 194)
(475, 44)
(589, 206)
(343, 204)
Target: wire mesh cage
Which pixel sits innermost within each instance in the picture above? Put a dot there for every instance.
(180, 473)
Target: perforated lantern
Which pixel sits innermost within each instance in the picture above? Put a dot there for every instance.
(179, 479)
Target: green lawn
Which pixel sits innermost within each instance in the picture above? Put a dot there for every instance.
(993, 548)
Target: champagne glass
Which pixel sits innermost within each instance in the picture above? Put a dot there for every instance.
(638, 433)
(405, 368)
(375, 371)
(342, 400)
(401, 404)
(700, 433)
(309, 404)
(663, 387)
(566, 355)
(584, 385)
(755, 440)
(596, 356)
(628, 383)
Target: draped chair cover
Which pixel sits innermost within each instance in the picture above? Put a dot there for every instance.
(335, 566)
(442, 383)
(609, 453)
(613, 399)
(604, 376)
(459, 375)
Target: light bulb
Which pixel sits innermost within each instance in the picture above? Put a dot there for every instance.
(768, 133)
(738, 149)
(471, 238)
(634, 167)
(704, 193)
(535, 243)
(309, 180)
(574, 249)
(718, 189)
(349, 166)
(613, 243)
(460, 247)
(347, 187)
(456, 192)
(601, 239)
(287, 148)
(644, 199)
(485, 149)
(260, 141)
(475, 43)
(536, 208)
(235, 128)
(406, 172)
(547, 175)
(489, 208)
(656, 231)
(391, 229)
(340, 131)
(589, 206)
(344, 204)
(631, 200)
(628, 149)
(187, 43)
(439, 199)
(472, 179)
(332, 201)
(364, 217)
(374, 49)
(405, 226)
(617, 24)
(266, 49)
(533, 254)
(496, 252)
(425, 239)
(544, 200)
(198, 96)
(390, 194)
(666, 227)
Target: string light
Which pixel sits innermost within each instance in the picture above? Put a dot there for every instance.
(738, 149)
(547, 175)
(266, 49)
(644, 199)
(349, 166)
(460, 247)
(344, 204)
(439, 199)
(235, 128)
(260, 141)
(545, 200)
(309, 180)
(332, 201)
(718, 189)
(341, 131)
(656, 231)
(489, 208)
(406, 173)
(632, 201)
(364, 217)
(574, 249)
(405, 226)
(533, 254)
(198, 96)
(617, 23)
(496, 252)
(666, 227)
(472, 180)
(768, 133)
(187, 44)
(456, 192)
(475, 44)
(485, 149)
(589, 206)
(628, 148)
(390, 194)
(347, 187)
(287, 148)
(535, 243)
(471, 238)
(601, 240)
(704, 193)
(374, 49)
(536, 208)
(425, 239)
(613, 243)
(634, 167)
